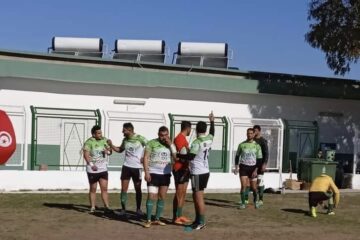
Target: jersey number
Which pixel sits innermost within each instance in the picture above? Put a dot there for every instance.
(206, 154)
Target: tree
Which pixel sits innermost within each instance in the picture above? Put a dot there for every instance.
(335, 29)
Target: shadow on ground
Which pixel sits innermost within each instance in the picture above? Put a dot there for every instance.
(130, 216)
(220, 203)
(294, 210)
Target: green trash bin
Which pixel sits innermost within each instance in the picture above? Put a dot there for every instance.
(310, 168)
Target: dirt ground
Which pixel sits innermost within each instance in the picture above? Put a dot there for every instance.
(65, 216)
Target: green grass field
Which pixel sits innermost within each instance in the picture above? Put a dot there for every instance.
(65, 216)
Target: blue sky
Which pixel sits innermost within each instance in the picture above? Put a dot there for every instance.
(264, 35)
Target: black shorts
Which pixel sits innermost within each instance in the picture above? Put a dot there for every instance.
(159, 180)
(199, 182)
(133, 173)
(246, 170)
(181, 176)
(95, 177)
(316, 197)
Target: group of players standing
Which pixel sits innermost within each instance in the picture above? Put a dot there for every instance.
(161, 157)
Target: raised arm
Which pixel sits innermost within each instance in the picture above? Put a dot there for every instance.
(172, 148)
(212, 125)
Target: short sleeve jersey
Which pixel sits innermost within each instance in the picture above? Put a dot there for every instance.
(248, 152)
(201, 148)
(160, 157)
(180, 143)
(134, 150)
(98, 158)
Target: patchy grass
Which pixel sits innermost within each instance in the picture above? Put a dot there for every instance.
(65, 216)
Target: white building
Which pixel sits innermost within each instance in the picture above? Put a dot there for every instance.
(45, 96)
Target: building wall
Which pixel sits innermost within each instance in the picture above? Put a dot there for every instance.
(339, 129)
(75, 180)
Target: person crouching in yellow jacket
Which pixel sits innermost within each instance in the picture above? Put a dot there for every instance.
(323, 188)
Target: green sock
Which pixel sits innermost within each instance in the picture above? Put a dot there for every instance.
(159, 208)
(261, 192)
(149, 207)
(242, 196)
(255, 196)
(197, 217)
(123, 199)
(179, 211)
(247, 190)
(202, 219)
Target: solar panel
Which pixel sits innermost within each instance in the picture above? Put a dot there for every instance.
(188, 60)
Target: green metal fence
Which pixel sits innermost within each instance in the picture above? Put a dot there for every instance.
(145, 124)
(57, 136)
(271, 129)
(219, 155)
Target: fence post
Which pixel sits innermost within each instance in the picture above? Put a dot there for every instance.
(225, 144)
(33, 128)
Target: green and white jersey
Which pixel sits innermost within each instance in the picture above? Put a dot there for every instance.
(134, 150)
(160, 157)
(248, 152)
(98, 157)
(201, 148)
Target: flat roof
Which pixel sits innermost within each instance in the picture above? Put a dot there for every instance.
(112, 72)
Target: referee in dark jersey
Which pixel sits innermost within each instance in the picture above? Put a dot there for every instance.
(262, 163)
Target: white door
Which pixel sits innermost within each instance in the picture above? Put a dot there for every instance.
(73, 135)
